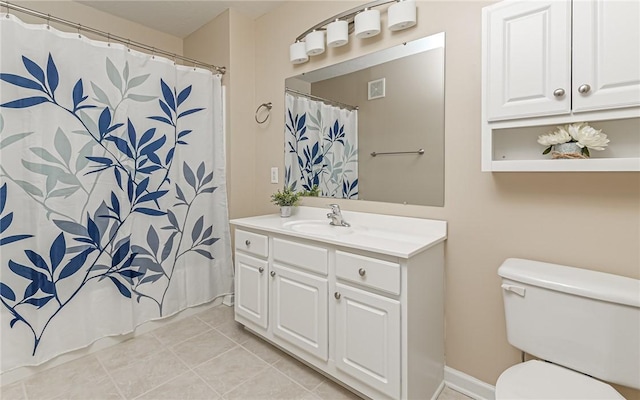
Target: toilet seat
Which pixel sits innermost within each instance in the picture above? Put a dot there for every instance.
(541, 380)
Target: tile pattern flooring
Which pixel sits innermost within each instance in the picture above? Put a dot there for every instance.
(205, 356)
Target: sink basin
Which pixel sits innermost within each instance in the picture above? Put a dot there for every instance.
(317, 227)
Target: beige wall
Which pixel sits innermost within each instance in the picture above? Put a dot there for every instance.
(409, 117)
(79, 13)
(589, 220)
(228, 41)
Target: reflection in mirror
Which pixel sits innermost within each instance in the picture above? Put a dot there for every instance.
(370, 128)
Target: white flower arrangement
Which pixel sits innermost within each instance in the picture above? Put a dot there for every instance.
(585, 136)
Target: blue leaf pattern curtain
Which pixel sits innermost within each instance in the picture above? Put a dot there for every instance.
(112, 191)
(321, 147)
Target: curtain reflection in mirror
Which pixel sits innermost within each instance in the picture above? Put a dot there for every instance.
(321, 148)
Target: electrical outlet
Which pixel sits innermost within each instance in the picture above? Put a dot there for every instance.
(274, 174)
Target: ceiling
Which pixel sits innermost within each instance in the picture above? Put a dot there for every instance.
(178, 18)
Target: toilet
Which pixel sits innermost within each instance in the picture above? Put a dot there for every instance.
(583, 326)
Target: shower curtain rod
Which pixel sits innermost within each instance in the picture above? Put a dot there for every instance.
(343, 105)
(109, 36)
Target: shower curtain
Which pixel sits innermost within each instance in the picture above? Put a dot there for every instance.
(112, 191)
(321, 148)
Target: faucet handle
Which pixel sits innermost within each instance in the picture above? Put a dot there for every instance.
(335, 208)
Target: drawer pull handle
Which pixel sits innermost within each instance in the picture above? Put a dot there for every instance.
(584, 89)
(558, 92)
(247, 242)
(273, 273)
(362, 272)
(337, 295)
(261, 269)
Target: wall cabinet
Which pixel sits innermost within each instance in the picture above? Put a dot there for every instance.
(549, 63)
(372, 321)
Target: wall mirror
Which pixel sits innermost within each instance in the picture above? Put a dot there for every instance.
(370, 128)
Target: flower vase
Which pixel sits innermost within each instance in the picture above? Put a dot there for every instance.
(567, 150)
(285, 211)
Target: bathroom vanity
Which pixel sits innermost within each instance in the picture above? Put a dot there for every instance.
(363, 304)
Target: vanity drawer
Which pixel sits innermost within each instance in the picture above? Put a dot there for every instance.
(253, 243)
(300, 255)
(367, 271)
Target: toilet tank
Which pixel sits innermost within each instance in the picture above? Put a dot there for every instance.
(585, 320)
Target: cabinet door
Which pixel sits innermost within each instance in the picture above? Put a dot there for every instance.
(368, 338)
(606, 54)
(252, 296)
(300, 309)
(527, 65)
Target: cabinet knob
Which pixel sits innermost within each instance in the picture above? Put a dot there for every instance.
(337, 295)
(261, 269)
(584, 88)
(247, 242)
(558, 92)
(272, 273)
(362, 272)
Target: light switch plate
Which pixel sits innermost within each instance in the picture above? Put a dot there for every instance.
(274, 174)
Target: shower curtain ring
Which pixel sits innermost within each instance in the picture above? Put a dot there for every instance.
(268, 106)
(153, 53)
(48, 21)
(8, 9)
(129, 45)
(108, 39)
(79, 27)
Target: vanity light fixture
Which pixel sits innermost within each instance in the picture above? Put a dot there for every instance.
(298, 53)
(363, 21)
(337, 33)
(367, 23)
(401, 15)
(314, 43)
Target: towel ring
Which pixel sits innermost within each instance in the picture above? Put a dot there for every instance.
(268, 106)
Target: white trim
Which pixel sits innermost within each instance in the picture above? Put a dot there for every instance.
(468, 385)
(228, 300)
(438, 391)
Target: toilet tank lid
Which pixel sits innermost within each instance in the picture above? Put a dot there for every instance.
(581, 282)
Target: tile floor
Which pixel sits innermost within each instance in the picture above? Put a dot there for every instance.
(205, 356)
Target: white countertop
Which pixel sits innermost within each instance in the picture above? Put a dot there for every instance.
(402, 237)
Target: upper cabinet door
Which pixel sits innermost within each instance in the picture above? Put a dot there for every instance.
(606, 54)
(527, 69)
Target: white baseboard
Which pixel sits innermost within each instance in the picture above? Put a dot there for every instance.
(468, 385)
(228, 300)
(438, 391)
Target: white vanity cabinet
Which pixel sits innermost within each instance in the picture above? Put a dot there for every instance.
(299, 287)
(367, 324)
(363, 309)
(251, 299)
(553, 62)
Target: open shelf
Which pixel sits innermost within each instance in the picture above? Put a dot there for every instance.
(588, 165)
(514, 147)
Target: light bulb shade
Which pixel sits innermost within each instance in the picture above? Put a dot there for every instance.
(337, 33)
(367, 24)
(401, 15)
(298, 53)
(314, 43)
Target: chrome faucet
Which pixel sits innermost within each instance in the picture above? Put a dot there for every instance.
(336, 216)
